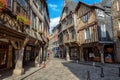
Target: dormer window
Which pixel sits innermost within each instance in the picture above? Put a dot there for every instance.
(66, 9)
(86, 17)
(100, 13)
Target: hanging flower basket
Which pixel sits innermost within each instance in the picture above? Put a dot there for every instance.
(22, 18)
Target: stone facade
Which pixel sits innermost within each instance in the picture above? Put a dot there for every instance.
(116, 26)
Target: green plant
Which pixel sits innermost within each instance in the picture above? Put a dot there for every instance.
(23, 18)
(3, 4)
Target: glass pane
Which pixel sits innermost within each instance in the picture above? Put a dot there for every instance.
(2, 57)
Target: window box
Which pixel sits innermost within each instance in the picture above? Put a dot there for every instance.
(22, 18)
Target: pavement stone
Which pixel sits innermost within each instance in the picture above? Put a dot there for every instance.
(59, 69)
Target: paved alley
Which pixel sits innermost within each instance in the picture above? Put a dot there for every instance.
(58, 69)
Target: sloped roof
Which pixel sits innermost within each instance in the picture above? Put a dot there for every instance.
(104, 3)
(92, 6)
(71, 5)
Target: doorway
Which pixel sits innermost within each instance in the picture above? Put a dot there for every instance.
(3, 54)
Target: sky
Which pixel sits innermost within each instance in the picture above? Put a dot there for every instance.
(55, 9)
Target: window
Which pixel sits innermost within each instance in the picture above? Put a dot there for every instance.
(3, 57)
(86, 17)
(22, 2)
(40, 6)
(73, 34)
(103, 30)
(117, 4)
(119, 23)
(9, 3)
(66, 10)
(100, 13)
(18, 9)
(33, 20)
(39, 25)
(87, 33)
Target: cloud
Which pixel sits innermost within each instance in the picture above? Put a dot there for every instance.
(53, 23)
(53, 7)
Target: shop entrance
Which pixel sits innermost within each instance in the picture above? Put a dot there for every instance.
(3, 54)
(109, 53)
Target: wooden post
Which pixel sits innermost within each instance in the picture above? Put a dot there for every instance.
(42, 54)
(19, 63)
(67, 54)
(62, 52)
(101, 49)
(37, 59)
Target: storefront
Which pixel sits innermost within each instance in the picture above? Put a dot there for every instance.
(74, 53)
(94, 54)
(30, 53)
(109, 53)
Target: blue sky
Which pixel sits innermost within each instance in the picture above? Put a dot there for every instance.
(55, 9)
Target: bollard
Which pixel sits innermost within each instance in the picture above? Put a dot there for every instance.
(119, 71)
(88, 75)
(102, 73)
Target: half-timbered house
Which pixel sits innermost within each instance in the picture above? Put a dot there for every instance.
(116, 26)
(67, 35)
(94, 33)
(24, 26)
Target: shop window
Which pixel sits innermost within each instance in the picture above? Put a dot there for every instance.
(3, 57)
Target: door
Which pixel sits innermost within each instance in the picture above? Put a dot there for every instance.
(3, 55)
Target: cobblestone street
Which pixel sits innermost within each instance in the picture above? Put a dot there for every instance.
(58, 69)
